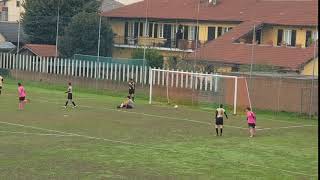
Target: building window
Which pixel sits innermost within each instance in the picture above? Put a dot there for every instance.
(279, 38)
(224, 30)
(174, 31)
(185, 32)
(136, 29)
(161, 30)
(150, 29)
(131, 29)
(4, 14)
(308, 38)
(167, 28)
(219, 31)
(155, 29)
(290, 37)
(258, 36)
(211, 33)
(146, 29)
(18, 4)
(126, 28)
(192, 33)
(141, 29)
(315, 35)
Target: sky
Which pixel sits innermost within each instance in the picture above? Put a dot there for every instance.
(126, 2)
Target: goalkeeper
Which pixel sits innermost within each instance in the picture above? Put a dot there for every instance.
(219, 119)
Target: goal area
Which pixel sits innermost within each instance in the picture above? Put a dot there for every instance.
(207, 89)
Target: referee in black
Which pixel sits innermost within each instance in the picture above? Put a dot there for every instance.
(132, 88)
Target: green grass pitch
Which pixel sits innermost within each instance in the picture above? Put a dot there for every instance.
(97, 141)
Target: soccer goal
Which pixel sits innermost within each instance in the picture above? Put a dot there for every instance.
(175, 87)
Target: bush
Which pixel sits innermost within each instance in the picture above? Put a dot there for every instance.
(172, 62)
(4, 72)
(153, 57)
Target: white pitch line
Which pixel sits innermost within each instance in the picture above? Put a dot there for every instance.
(287, 127)
(142, 146)
(38, 134)
(32, 127)
(203, 108)
(167, 117)
(85, 136)
(283, 170)
(195, 121)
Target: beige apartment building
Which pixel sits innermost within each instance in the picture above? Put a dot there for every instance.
(10, 10)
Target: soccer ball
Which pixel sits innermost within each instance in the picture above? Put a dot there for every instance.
(175, 106)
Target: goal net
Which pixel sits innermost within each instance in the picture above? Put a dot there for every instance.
(179, 87)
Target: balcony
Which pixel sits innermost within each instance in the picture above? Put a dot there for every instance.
(156, 43)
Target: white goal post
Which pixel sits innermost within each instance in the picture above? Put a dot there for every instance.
(191, 80)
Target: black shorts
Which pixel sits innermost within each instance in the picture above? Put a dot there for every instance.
(126, 107)
(129, 106)
(22, 99)
(0, 87)
(70, 96)
(252, 125)
(219, 121)
(131, 91)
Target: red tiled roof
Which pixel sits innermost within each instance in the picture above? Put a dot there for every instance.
(181, 9)
(285, 12)
(224, 50)
(249, 12)
(43, 50)
(268, 11)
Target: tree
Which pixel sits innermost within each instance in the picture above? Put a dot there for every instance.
(39, 20)
(81, 36)
(153, 57)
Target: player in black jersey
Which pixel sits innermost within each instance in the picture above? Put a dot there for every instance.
(132, 88)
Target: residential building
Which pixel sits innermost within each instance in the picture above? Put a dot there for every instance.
(9, 36)
(11, 10)
(41, 50)
(9, 32)
(220, 31)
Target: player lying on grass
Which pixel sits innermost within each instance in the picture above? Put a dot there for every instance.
(251, 119)
(69, 97)
(219, 119)
(1, 83)
(22, 96)
(127, 104)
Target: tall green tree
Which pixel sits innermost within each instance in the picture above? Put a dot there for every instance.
(39, 20)
(82, 34)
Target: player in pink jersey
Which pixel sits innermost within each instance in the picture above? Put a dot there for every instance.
(22, 96)
(251, 119)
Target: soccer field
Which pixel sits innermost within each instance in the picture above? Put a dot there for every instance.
(97, 141)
